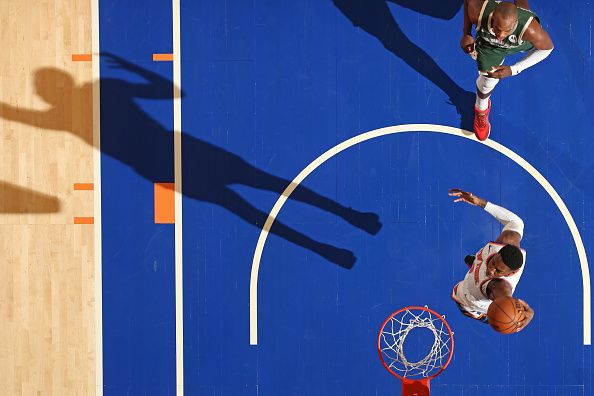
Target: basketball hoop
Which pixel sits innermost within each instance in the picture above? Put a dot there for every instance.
(415, 376)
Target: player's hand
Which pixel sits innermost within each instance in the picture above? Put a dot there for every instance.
(499, 72)
(467, 44)
(467, 197)
(529, 312)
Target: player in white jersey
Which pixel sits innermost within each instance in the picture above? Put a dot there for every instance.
(496, 269)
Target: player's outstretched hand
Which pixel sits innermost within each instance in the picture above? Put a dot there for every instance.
(500, 72)
(529, 312)
(467, 197)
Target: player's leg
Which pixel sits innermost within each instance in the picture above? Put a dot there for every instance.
(482, 106)
(487, 57)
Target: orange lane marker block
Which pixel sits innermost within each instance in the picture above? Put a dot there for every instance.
(162, 57)
(82, 57)
(84, 220)
(164, 203)
(83, 186)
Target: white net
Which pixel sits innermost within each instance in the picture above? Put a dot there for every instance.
(393, 336)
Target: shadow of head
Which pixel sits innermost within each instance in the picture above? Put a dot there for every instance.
(53, 85)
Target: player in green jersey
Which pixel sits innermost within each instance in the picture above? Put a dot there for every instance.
(502, 28)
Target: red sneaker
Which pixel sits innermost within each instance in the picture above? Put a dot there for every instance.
(482, 127)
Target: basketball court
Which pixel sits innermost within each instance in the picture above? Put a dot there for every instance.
(231, 197)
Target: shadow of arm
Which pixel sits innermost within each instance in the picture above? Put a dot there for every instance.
(41, 119)
(158, 87)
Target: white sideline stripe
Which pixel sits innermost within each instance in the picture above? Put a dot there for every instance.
(179, 293)
(416, 128)
(97, 199)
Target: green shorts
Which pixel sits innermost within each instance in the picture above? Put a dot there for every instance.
(488, 56)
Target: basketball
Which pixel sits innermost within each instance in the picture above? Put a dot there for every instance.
(505, 315)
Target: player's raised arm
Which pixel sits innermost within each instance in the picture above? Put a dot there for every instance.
(513, 229)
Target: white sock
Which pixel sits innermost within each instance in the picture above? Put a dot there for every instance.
(481, 104)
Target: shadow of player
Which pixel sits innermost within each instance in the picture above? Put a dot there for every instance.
(16, 199)
(139, 141)
(375, 17)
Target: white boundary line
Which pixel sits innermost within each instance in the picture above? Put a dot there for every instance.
(416, 128)
(177, 122)
(97, 199)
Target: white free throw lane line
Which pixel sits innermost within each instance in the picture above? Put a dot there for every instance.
(97, 252)
(177, 122)
(428, 128)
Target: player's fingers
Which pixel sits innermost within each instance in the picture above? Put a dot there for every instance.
(520, 325)
(493, 71)
(524, 304)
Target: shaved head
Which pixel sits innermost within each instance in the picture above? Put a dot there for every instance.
(506, 12)
(505, 19)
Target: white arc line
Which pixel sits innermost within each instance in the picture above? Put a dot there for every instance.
(432, 128)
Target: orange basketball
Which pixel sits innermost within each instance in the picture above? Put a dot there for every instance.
(505, 315)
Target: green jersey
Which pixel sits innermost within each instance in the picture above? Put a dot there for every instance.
(484, 29)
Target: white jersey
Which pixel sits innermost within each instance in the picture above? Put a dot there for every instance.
(471, 293)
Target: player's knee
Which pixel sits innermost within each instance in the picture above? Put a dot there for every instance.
(486, 84)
